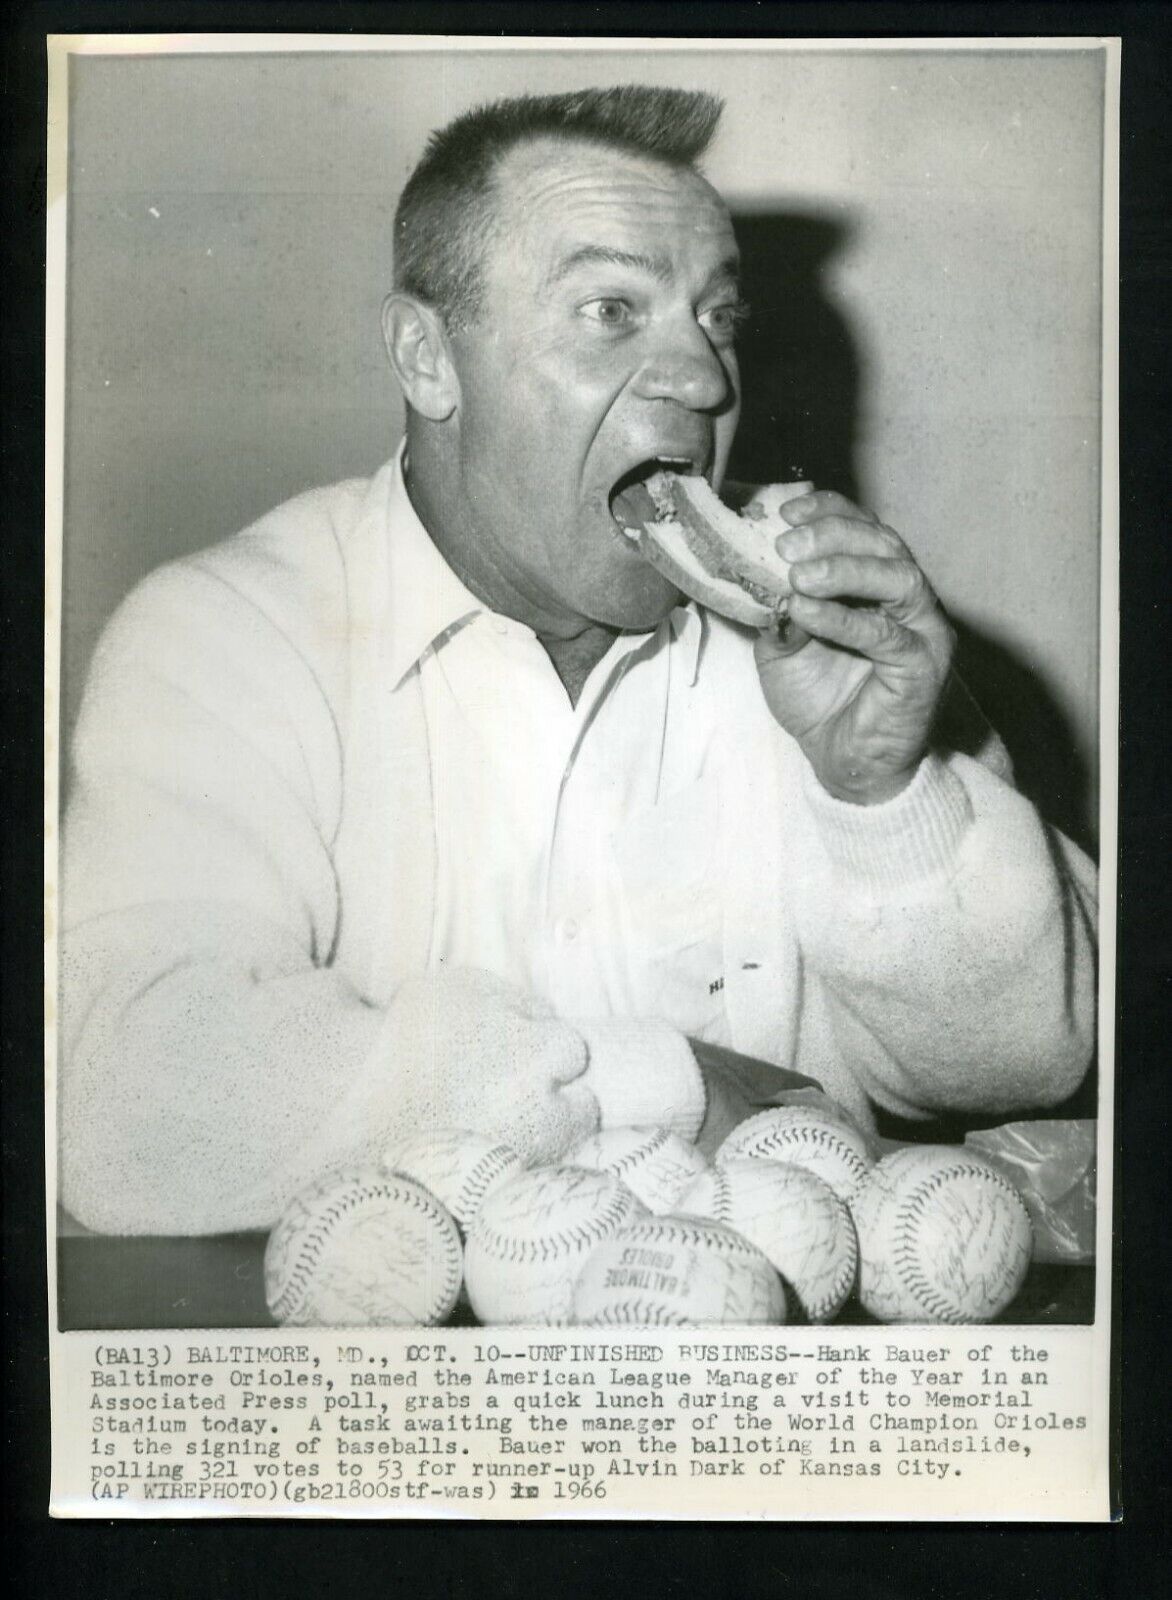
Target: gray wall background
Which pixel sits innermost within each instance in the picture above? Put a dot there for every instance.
(923, 238)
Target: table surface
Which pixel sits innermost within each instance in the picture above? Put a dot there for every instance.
(218, 1282)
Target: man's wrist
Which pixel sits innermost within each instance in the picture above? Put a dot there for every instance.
(858, 788)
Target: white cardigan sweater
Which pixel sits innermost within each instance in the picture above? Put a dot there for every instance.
(246, 890)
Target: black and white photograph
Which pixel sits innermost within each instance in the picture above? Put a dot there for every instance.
(585, 724)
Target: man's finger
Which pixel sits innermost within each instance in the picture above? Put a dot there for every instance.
(839, 536)
(857, 577)
(824, 503)
(874, 634)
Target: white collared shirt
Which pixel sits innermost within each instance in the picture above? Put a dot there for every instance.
(575, 844)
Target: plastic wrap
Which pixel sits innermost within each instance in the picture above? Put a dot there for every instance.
(1052, 1165)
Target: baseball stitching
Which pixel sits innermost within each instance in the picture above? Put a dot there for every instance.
(633, 1313)
(825, 1137)
(840, 1285)
(484, 1175)
(722, 1196)
(687, 1233)
(503, 1247)
(906, 1251)
(292, 1293)
(654, 1141)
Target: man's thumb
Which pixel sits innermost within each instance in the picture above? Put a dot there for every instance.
(783, 638)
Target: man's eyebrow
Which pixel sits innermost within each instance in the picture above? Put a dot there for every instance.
(658, 267)
(604, 255)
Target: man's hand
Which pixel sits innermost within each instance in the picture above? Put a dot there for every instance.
(857, 673)
(471, 1051)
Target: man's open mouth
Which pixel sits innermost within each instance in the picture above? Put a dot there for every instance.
(632, 503)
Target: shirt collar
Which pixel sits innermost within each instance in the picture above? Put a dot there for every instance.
(428, 602)
(689, 624)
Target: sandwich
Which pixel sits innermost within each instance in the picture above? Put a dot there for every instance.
(723, 558)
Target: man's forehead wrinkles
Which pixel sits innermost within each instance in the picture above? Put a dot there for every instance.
(577, 176)
(629, 204)
(578, 209)
(554, 164)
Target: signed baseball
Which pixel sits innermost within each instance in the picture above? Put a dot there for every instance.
(461, 1169)
(654, 1163)
(805, 1137)
(677, 1271)
(794, 1218)
(943, 1237)
(361, 1248)
(531, 1236)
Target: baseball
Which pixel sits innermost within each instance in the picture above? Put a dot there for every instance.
(531, 1236)
(794, 1218)
(361, 1248)
(804, 1137)
(677, 1271)
(460, 1169)
(654, 1163)
(943, 1237)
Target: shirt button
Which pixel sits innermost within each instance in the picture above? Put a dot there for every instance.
(500, 626)
(566, 931)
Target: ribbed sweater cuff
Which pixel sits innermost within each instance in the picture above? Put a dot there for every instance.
(644, 1076)
(902, 842)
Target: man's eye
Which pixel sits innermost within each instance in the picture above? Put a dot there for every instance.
(610, 312)
(723, 321)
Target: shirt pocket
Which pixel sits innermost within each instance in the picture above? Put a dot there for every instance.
(667, 861)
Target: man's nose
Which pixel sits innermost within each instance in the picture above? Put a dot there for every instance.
(685, 368)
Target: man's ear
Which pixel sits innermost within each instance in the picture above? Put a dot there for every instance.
(420, 356)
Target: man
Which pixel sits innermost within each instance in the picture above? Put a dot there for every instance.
(426, 802)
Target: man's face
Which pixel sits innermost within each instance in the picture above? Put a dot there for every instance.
(606, 341)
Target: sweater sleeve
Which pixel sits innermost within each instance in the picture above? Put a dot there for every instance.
(952, 942)
(203, 1029)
